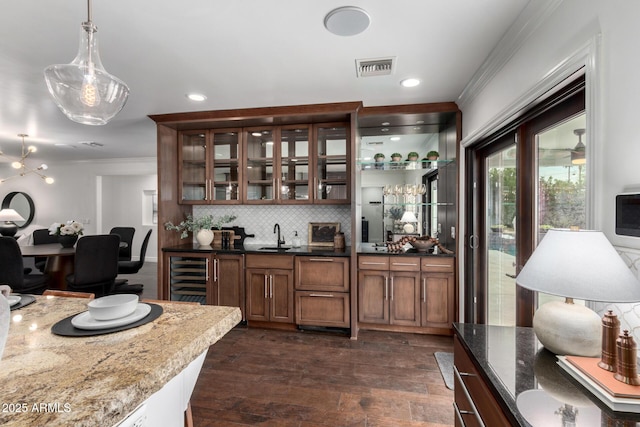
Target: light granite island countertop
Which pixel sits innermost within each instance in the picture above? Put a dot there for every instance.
(50, 380)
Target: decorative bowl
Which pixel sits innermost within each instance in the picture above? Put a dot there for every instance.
(113, 306)
(423, 245)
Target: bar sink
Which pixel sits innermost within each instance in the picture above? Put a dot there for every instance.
(274, 248)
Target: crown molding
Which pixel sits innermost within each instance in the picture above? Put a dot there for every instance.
(534, 14)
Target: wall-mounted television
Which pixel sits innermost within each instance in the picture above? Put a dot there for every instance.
(628, 214)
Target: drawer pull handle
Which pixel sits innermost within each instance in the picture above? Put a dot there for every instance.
(405, 264)
(436, 265)
(321, 259)
(321, 295)
(459, 414)
(373, 263)
(474, 410)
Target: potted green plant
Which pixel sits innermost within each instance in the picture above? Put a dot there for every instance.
(396, 157)
(379, 157)
(412, 156)
(432, 155)
(201, 227)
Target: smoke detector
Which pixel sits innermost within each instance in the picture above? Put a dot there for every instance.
(375, 67)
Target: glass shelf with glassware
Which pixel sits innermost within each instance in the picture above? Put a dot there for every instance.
(419, 165)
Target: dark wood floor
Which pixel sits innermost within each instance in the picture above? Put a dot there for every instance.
(276, 378)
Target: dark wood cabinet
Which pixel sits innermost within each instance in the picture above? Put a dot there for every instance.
(474, 403)
(207, 278)
(406, 293)
(297, 164)
(228, 281)
(209, 163)
(389, 290)
(322, 291)
(269, 288)
(438, 292)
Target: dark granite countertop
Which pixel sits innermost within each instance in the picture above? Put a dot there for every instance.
(255, 249)
(531, 387)
(371, 249)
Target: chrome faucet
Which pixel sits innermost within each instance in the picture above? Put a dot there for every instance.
(280, 241)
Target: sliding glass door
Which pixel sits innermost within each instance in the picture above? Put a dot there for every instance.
(528, 178)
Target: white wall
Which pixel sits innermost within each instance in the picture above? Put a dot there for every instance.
(571, 25)
(76, 193)
(122, 206)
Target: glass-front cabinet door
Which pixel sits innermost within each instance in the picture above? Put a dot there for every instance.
(295, 179)
(210, 166)
(192, 156)
(332, 166)
(260, 173)
(226, 169)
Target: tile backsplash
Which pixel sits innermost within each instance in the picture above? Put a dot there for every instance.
(260, 219)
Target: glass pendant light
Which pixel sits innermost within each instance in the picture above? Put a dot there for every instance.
(84, 91)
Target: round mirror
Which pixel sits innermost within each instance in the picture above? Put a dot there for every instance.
(21, 203)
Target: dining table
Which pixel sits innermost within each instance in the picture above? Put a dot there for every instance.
(59, 261)
(50, 376)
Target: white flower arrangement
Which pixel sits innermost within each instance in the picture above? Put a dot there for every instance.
(69, 228)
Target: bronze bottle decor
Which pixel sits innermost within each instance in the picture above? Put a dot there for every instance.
(610, 332)
(627, 364)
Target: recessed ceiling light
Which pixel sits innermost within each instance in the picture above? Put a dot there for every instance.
(385, 123)
(256, 134)
(347, 21)
(395, 138)
(410, 82)
(198, 97)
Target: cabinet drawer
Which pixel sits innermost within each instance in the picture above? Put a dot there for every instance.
(322, 309)
(436, 264)
(284, 262)
(322, 274)
(404, 263)
(472, 393)
(373, 263)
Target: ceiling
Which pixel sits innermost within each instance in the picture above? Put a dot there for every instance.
(240, 54)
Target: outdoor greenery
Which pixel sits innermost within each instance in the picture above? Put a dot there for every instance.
(561, 202)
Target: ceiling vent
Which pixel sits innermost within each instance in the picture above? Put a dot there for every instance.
(375, 67)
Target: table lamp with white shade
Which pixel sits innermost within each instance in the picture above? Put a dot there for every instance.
(579, 264)
(409, 218)
(7, 226)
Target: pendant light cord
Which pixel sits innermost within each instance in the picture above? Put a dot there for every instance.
(89, 10)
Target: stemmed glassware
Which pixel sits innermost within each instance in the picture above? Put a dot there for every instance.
(388, 191)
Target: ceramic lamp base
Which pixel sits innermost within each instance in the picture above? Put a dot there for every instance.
(568, 329)
(8, 228)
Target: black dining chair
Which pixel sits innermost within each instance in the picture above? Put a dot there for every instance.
(95, 266)
(132, 267)
(41, 236)
(126, 236)
(12, 270)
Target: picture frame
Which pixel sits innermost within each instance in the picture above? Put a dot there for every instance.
(322, 233)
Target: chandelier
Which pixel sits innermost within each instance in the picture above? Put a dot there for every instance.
(84, 91)
(21, 165)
